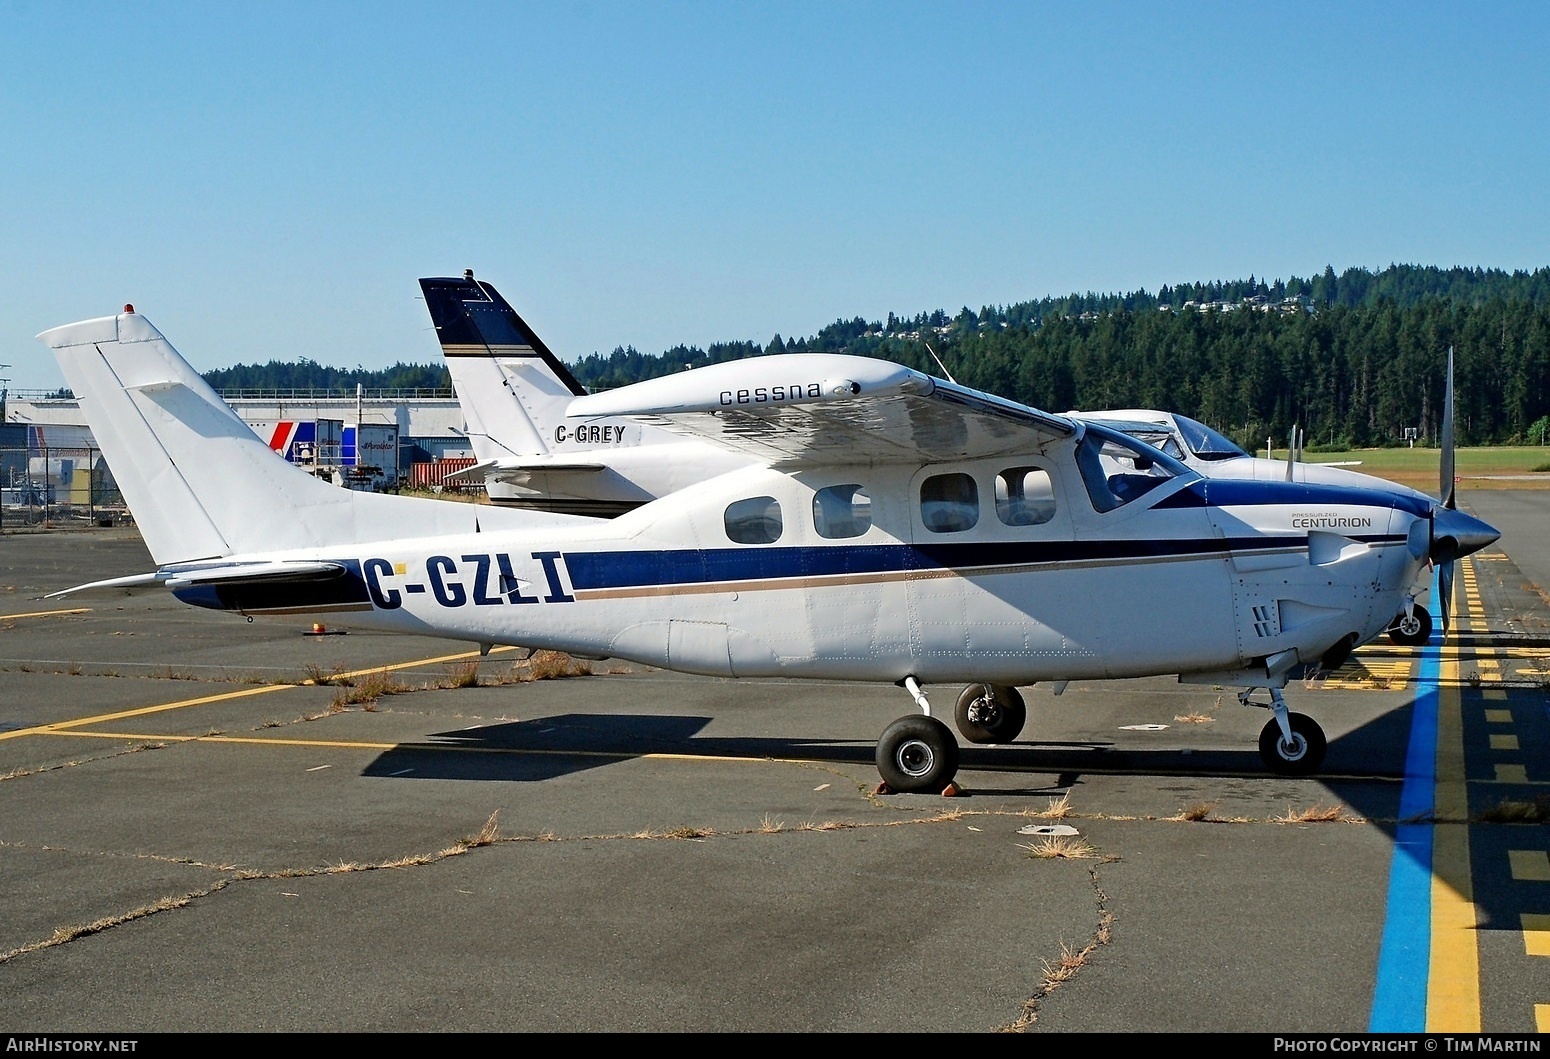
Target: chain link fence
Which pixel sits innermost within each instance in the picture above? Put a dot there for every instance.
(53, 486)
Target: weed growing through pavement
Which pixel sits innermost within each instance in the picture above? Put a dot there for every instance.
(1516, 811)
(369, 690)
(1196, 812)
(1060, 847)
(1057, 809)
(1317, 814)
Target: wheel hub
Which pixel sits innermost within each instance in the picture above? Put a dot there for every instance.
(985, 712)
(915, 758)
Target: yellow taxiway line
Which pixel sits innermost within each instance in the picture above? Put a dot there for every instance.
(70, 727)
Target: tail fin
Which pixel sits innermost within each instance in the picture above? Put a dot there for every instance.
(200, 483)
(513, 390)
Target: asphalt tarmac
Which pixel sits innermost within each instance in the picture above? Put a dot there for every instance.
(214, 825)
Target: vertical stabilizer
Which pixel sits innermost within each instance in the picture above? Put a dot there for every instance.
(513, 390)
(199, 482)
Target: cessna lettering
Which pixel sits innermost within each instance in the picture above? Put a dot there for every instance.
(772, 394)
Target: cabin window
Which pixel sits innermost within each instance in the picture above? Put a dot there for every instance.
(842, 511)
(1117, 469)
(754, 521)
(949, 503)
(1025, 496)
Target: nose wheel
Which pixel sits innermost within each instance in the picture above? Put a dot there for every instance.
(1413, 628)
(1300, 754)
(1291, 744)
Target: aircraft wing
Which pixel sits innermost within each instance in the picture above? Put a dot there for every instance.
(825, 408)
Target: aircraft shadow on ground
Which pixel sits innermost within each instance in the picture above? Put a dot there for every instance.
(533, 751)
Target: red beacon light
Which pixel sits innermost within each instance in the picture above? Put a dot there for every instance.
(128, 308)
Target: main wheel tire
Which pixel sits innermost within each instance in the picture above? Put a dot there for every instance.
(917, 754)
(1411, 629)
(1302, 756)
(990, 713)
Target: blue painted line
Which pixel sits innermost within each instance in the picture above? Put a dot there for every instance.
(1404, 959)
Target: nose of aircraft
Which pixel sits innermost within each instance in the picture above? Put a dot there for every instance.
(1456, 534)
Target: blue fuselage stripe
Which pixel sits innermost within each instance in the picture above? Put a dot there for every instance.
(637, 569)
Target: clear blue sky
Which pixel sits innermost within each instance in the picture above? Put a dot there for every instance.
(268, 181)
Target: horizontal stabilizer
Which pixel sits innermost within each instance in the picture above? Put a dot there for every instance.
(254, 573)
(521, 466)
(128, 585)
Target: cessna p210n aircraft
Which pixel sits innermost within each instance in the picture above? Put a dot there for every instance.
(516, 395)
(893, 527)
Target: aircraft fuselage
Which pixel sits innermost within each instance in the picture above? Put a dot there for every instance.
(926, 571)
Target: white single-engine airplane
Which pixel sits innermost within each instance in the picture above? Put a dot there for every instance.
(895, 527)
(516, 396)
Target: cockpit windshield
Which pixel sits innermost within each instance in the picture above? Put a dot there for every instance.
(1206, 443)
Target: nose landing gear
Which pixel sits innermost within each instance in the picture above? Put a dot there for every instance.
(1291, 744)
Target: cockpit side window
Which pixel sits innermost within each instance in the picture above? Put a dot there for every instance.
(949, 503)
(756, 520)
(1117, 469)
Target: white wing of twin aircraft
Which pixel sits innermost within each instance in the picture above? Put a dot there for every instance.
(889, 527)
(516, 395)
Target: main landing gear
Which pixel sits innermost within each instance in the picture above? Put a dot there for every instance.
(919, 754)
(990, 713)
(1291, 744)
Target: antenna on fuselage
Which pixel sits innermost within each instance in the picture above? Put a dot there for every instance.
(940, 364)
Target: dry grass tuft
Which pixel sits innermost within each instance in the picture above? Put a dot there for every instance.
(550, 665)
(770, 826)
(1060, 847)
(463, 675)
(369, 690)
(690, 832)
(1058, 808)
(1514, 811)
(488, 834)
(1195, 813)
(1194, 718)
(1318, 814)
(1065, 968)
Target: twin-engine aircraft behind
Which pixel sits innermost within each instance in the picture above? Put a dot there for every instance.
(889, 526)
(516, 396)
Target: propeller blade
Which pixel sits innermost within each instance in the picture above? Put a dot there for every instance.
(1445, 590)
(1446, 483)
